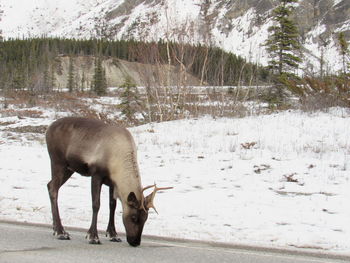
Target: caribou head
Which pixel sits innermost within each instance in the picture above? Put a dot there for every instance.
(136, 214)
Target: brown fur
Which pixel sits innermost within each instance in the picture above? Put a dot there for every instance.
(107, 154)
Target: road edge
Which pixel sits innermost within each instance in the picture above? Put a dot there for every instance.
(304, 252)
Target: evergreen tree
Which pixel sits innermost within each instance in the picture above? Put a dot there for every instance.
(70, 81)
(46, 80)
(130, 101)
(18, 80)
(283, 44)
(344, 52)
(52, 78)
(82, 82)
(99, 80)
(2, 78)
(45, 68)
(1, 13)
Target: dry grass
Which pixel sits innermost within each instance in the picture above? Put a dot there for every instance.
(21, 103)
(156, 104)
(324, 93)
(28, 129)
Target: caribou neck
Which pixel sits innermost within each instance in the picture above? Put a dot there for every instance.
(125, 176)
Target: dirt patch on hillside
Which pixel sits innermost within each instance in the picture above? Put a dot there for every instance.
(116, 72)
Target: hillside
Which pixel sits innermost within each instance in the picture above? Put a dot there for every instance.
(44, 63)
(239, 26)
(116, 72)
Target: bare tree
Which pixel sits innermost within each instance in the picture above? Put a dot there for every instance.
(323, 47)
(207, 19)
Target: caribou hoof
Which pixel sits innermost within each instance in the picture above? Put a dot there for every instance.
(115, 239)
(95, 241)
(63, 236)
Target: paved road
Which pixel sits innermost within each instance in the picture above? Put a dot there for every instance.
(28, 243)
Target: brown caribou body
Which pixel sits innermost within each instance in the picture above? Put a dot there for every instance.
(107, 154)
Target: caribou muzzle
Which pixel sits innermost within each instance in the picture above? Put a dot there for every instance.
(134, 241)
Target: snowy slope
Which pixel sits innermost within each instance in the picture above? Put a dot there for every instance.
(278, 180)
(46, 17)
(237, 26)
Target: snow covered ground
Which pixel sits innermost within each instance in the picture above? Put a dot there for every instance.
(274, 180)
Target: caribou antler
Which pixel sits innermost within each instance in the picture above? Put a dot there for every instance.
(142, 205)
(148, 187)
(149, 199)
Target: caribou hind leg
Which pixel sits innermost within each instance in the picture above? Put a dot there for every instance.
(60, 174)
(111, 232)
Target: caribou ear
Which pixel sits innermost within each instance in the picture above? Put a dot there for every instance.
(132, 200)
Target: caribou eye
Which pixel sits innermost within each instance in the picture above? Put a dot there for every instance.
(134, 219)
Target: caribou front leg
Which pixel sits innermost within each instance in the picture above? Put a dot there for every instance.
(96, 184)
(111, 232)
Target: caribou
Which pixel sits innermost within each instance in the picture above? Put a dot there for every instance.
(107, 154)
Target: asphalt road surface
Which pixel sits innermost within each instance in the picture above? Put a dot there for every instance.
(30, 243)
